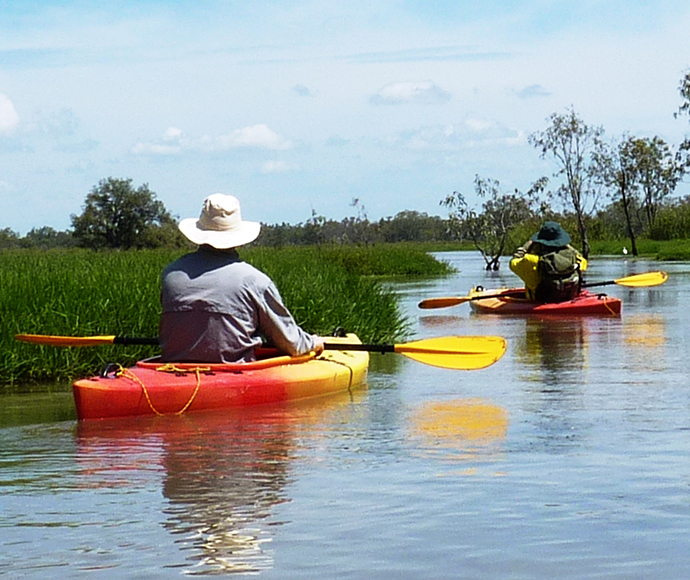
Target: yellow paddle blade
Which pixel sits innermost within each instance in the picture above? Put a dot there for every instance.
(646, 279)
(455, 352)
(442, 302)
(65, 340)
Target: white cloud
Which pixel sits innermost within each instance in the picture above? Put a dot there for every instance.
(156, 149)
(259, 136)
(479, 125)
(9, 119)
(425, 92)
(174, 141)
(469, 134)
(173, 134)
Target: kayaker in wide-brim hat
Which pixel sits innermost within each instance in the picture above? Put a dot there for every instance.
(220, 224)
(549, 266)
(217, 308)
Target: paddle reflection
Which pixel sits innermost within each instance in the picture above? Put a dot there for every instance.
(221, 473)
(644, 336)
(467, 430)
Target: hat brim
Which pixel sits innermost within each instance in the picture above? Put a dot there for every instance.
(222, 240)
(562, 240)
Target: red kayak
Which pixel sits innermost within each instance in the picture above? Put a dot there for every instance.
(513, 301)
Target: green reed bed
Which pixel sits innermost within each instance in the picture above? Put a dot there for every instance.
(80, 293)
(384, 260)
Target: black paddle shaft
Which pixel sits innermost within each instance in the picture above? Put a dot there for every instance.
(136, 340)
(592, 285)
(367, 347)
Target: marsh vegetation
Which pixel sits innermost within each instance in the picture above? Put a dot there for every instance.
(82, 292)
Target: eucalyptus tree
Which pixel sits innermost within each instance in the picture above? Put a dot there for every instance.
(489, 228)
(615, 168)
(658, 172)
(116, 215)
(573, 145)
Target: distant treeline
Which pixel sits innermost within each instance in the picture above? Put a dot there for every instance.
(672, 222)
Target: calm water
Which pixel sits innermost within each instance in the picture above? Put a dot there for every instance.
(569, 458)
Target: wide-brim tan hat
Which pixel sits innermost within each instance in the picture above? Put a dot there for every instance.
(220, 224)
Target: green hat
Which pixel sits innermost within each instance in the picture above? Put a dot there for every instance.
(552, 234)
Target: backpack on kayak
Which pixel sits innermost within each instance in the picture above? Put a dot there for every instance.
(560, 275)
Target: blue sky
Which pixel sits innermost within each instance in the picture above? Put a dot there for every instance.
(305, 106)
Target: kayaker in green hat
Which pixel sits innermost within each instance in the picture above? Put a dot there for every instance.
(549, 266)
(215, 307)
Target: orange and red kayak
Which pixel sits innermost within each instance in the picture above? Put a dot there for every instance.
(513, 301)
(155, 388)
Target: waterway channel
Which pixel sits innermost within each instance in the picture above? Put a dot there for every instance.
(568, 458)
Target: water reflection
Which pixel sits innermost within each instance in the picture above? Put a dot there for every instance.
(556, 347)
(221, 473)
(645, 331)
(468, 430)
(442, 321)
(644, 337)
(554, 354)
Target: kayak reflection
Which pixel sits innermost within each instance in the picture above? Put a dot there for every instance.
(556, 347)
(554, 354)
(222, 473)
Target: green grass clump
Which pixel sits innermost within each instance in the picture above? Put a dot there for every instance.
(673, 250)
(81, 293)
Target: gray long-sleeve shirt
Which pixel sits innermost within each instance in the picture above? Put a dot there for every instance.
(215, 307)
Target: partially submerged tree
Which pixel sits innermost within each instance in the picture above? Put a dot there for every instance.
(118, 216)
(489, 229)
(573, 145)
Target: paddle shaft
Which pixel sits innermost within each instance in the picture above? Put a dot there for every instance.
(136, 340)
(130, 340)
(593, 284)
(367, 347)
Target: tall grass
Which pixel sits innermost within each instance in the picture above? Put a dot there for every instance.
(80, 293)
(74, 293)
